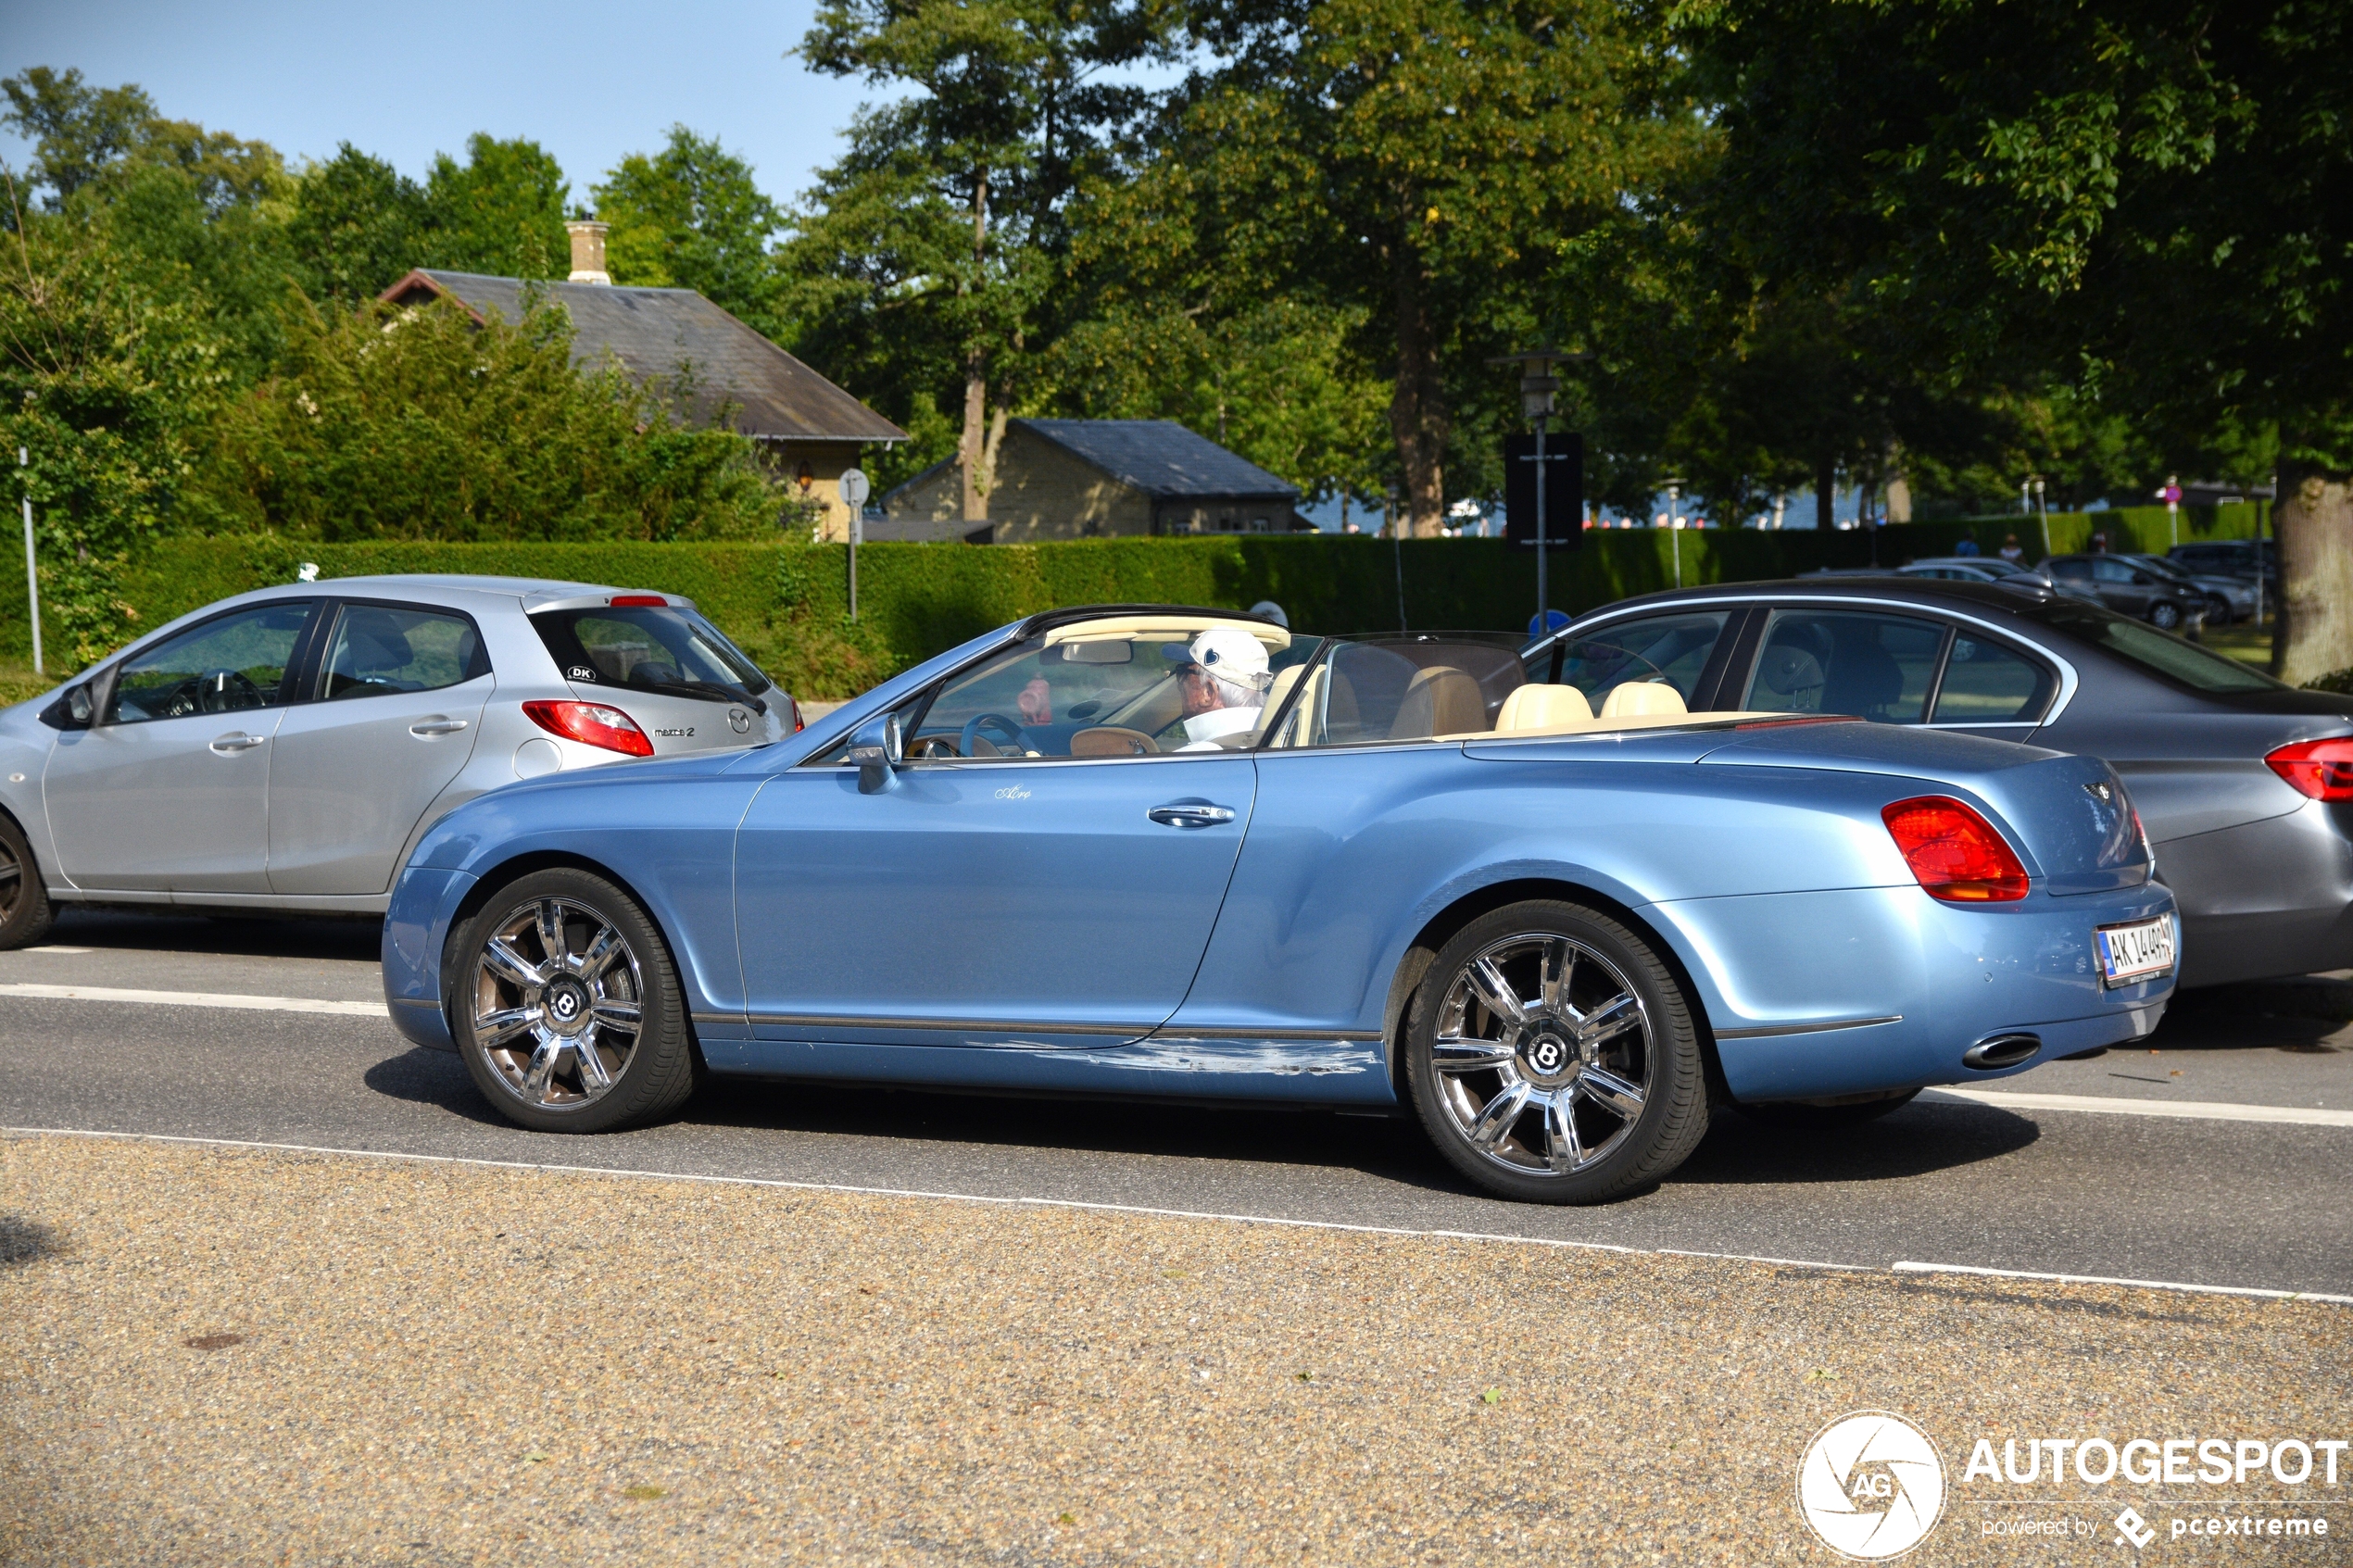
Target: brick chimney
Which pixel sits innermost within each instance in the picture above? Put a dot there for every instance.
(587, 252)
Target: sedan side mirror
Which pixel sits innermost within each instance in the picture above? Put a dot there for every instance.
(73, 710)
(875, 749)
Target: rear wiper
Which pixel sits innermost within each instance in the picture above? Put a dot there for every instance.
(710, 689)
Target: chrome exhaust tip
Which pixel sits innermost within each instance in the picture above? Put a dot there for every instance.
(1997, 1051)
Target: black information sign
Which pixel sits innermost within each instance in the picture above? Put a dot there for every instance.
(1563, 490)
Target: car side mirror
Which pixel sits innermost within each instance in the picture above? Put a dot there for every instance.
(875, 749)
(73, 710)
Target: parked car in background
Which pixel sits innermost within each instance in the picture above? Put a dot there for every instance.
(2241, 559)
(2227, 598)
(2244, 785)
(282, 749)
(2129, 588)
(1965, 568)
(1197, 855)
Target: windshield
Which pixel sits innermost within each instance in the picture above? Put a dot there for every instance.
(650, 648)
(1121, 686)
(2185, 664)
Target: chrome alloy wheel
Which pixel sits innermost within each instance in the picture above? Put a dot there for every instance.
(1543, 1054)
(559, 1004)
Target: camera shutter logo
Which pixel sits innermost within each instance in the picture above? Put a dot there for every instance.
(1872, 1485)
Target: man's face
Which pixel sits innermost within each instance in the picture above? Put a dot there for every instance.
(1202, 694)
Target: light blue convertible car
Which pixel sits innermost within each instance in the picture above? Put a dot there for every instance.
(1151, 850)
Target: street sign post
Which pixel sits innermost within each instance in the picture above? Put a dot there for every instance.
(31, 576)
(854, 491)
(2171, 496)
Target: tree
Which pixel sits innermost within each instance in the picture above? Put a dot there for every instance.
(75, 130)
(422, 424)
(358, 226)
(1431, 166)
(930, 252)
(2144, 201)
(500, 212)
(108, 388)
(690, 217)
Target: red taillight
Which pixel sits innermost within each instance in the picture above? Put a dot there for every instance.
(639, 601)
(798, 723)
(591, 724)
(2321, 769)
(1955, 853)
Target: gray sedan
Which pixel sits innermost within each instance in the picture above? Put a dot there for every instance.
(2244, 786)
(281, 750)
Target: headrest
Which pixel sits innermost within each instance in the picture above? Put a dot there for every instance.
(1543, 707)
(1642, 697)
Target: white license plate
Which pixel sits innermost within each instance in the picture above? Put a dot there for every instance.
(2130, 954)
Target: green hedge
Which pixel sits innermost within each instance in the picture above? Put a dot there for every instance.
(788, 604)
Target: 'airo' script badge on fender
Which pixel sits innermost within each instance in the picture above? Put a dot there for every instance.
(2101, 791)
(1012, 792)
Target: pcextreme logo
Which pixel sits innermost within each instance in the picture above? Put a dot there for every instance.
(1871, 1484)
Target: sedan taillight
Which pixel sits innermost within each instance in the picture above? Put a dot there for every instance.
(591, 724)
(2321, 769)
(1954, 852)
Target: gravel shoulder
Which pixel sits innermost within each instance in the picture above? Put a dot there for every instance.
(457, 1364)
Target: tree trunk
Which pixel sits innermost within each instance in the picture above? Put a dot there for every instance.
(1417, 415)
(972, 458)
(2313, 521)
(1826, 495)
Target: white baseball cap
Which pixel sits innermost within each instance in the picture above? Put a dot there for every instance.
(1228, 652)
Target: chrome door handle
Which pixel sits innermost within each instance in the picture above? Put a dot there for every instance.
(436, 726)
(237, 740)
(1190, 815)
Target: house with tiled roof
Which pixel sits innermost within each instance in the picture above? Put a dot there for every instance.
(807, 428)
(1086, 479)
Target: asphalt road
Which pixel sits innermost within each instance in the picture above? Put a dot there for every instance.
(2250, 1203)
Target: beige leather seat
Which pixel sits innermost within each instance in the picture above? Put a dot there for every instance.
(1442, 700)
(1536, 707)
(1635, 698)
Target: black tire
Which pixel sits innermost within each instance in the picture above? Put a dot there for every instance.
(2165, 617)
(1631, 1008)
(1811, 1116)
(25, 914)
(575, 1011)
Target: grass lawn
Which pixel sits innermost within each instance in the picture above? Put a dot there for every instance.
(17, 682)
(2246, 643)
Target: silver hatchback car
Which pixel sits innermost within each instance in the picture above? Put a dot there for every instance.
(282, 749)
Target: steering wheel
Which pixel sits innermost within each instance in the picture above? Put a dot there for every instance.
(215, 691)
(1009, 728)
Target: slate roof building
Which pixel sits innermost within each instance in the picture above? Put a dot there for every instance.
(809, 428)
(1085, 479)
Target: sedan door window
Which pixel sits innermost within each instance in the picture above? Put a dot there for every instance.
(225, 666)
(1875, 667)
(380, 649)
(1673, 649)
(1987, 683)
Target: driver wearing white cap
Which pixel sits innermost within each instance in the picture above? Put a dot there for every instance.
(1224, 676)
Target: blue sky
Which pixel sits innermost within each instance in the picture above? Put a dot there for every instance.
(589, 80)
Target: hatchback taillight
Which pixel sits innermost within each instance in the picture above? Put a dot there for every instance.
(2321, 769)
(591, 724)
(798, 723)
(1955, 853)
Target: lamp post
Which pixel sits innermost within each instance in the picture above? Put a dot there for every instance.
(2043, 507)
(1539, 393)
(1675, 525)
(31, 576)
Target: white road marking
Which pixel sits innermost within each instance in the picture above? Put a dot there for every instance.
(195, 999)
(2193, 1110)
(57, 949)
(1145, 1209)
(1910, 1268)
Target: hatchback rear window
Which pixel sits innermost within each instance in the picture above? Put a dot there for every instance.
(649, 648)
(2183, 664)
